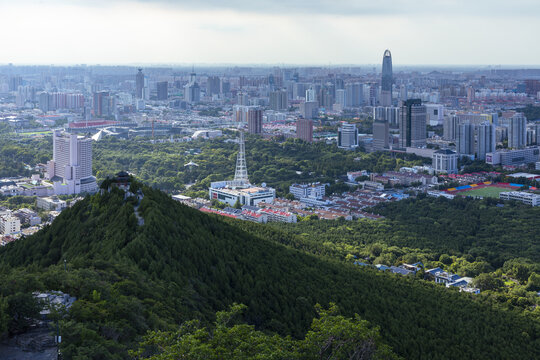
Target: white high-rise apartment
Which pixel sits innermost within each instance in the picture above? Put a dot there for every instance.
(71, 167)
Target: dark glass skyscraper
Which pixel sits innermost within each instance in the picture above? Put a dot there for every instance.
(387, 80)
(139, 84)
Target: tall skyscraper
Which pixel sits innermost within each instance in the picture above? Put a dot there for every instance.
(71, 167)
(139, 84)
(254, 119)
(192, 91)
(347, 136)
(304, 129)
(387, 79)
(381, 132)
(517, 131)
(212, 85)
(162, 90)
(465, 139)
(354, 94)
(412, 124)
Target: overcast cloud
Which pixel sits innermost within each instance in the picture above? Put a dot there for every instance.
(278, 31)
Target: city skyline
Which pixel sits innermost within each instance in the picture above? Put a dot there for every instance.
(292, 33)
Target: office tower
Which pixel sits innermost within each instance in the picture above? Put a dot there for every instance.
(242, 99)
(450, 127)
(465, 139)
(104, 104)
(162, 90)
(445, 161)
(341, 98)
(517, 131)
(192, 91)
(485, 140)
(278, 100)
(225, 87)
(304, 129)
(212, 85)
(299, 90)
(71, 167)
(381, 133)
(354, 94)
(347, 136)
(386, 81)
(139, 84)
(412, 124)
(254, 119)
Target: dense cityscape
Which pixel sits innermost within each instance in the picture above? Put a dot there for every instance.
(378, 211)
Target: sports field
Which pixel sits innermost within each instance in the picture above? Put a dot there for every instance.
(489, 191)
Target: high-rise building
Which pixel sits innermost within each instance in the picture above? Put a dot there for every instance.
(70, 170)
(242, 98)
(485, 140)
(192, 91)
(309, 109)
(304, 129)
(212, 85)
(354, 94)
(450, 127)
(387, 80)
(347, 136)
(139, 84)
(103, 104)
(254, 119)
(465, 139)
(517, 131)
(279, 100)
(381, 133)
(162, 90)
(224, 86)
(412, 124)
(434, 114)
(477, 140)
(311, 95)
(389, 114)
(341, 98)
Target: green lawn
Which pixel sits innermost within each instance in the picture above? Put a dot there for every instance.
(490, 191)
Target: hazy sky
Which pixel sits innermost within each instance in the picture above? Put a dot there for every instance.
(270, 32)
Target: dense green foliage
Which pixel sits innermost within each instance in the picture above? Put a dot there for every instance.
(464, 225)
(331, 336)
(14, 155)
(182, 265)
(161, 165)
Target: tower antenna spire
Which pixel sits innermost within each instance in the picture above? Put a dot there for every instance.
(241, 174)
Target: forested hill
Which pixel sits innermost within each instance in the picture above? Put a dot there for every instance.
(182, 264)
